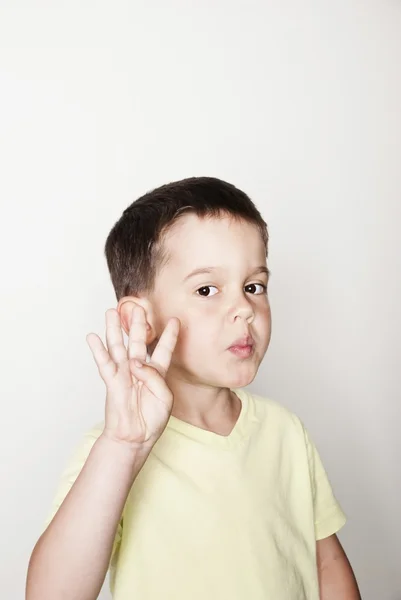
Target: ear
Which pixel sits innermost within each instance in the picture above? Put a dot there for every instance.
(125, 307)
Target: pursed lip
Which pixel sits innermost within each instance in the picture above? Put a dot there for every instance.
(243, 342)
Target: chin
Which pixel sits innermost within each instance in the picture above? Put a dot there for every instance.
(240, 382)
(241, 378)
(228, 376)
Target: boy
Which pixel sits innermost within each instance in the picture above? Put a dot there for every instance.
(192, 488)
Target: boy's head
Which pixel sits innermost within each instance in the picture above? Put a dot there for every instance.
(196, 249)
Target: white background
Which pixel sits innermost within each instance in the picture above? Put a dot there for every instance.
(296, 102)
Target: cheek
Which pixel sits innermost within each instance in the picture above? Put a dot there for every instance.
(197, 333)
(263, 322)
(195, 327)
(199, 315)
(264, 313)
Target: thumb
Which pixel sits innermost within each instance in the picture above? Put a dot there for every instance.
(151, 378)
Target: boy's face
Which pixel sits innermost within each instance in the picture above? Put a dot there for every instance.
(224, 312)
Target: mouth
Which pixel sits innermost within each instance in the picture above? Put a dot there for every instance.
(243, 348)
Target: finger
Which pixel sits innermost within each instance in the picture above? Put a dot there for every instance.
(163, 352)
(114, 337)
(106, 366)
(150, 377)
(137, 334)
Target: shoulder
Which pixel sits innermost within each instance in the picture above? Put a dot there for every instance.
(89, 438)
(272, 415)
(94, 432)
(265, 407)
(74, 466)
(81, 451)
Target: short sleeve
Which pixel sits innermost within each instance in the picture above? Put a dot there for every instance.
(69, 476)
(329, 517)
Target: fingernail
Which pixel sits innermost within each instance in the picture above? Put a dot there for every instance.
(137, 363)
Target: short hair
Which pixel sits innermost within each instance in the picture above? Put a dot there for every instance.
(134, 250)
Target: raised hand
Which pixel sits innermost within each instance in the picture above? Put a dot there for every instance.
(138, 402)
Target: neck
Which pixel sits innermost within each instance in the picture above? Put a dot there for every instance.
(203, 405)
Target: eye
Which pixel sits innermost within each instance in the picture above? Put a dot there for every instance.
(256, 288)
(205, 291)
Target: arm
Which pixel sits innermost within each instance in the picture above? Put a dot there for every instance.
(336, 578)
(71, 558)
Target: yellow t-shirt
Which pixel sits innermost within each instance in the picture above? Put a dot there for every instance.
(223, 517)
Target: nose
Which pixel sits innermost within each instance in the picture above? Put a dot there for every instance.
(243, 309)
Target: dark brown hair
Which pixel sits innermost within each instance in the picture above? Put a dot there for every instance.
(134, 245)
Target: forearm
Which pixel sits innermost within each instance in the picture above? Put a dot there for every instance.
(71, 558)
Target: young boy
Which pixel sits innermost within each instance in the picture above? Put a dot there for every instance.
(192, 488)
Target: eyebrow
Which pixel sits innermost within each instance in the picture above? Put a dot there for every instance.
(208, 270)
